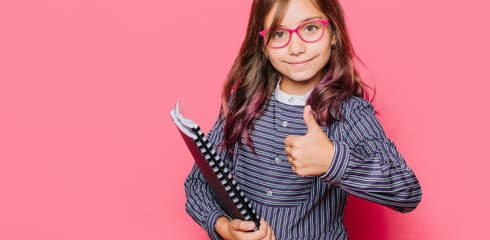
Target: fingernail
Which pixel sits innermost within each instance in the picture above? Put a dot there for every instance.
(249, 225)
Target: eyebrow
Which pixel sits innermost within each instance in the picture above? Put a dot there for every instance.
(304, 20)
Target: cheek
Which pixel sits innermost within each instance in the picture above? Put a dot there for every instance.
(326, 54)
(277, 57)
(323, 50)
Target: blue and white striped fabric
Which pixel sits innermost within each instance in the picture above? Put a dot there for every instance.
(366, 164)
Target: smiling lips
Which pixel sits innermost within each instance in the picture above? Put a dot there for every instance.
(300, 63)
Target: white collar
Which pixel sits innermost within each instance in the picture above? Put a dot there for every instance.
(295, 100)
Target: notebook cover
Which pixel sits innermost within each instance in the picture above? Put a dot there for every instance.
(224, 188)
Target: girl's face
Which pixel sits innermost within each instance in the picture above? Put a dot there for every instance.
(299, 63)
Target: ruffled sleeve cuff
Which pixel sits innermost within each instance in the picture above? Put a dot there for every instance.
(210, 225)
(339, 163)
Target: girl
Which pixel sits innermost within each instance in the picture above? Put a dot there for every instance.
(297, 132)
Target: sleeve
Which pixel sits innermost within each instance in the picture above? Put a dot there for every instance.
(367, 164)
(201, 204)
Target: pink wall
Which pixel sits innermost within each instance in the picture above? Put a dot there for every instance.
(87, 150)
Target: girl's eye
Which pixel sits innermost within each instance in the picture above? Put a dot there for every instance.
(311, 27)
(278, 34)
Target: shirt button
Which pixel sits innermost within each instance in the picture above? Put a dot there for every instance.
(278, 160)
(285, 123)
(269, 193)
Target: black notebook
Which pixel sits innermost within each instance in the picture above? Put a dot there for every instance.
(219, 178)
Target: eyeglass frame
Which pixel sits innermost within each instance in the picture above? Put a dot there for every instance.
(291, 31)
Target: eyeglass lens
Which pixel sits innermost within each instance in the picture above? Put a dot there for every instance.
(308, 32)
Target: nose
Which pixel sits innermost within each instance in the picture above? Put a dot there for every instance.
(296, 46)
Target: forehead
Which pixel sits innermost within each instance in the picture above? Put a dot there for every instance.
(296, 12)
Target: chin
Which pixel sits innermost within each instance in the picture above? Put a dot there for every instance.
(301, 77)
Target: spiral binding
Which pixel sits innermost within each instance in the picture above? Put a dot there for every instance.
(225, 177)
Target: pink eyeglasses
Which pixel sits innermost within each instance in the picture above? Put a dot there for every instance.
(309, 32)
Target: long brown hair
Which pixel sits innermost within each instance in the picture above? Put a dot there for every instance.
(252, 78)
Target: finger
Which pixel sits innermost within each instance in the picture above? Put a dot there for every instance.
(239, 225)
(264, 228)
(295, 154)
(268, 234)
(310, 121)
(259, 234)
(297, 167)
(290, 140)
(288, 150)
(300, 172)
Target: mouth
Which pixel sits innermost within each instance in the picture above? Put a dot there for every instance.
(300, 63)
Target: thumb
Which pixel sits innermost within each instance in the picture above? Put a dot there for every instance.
(309, 119)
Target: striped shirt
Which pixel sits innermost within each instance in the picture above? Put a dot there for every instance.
(365, 163)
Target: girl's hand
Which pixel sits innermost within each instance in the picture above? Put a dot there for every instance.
(243, 230)
(311, 154)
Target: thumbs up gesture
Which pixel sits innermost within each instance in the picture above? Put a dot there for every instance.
(311, 154)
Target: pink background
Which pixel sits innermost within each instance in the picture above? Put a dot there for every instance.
(87, 149)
